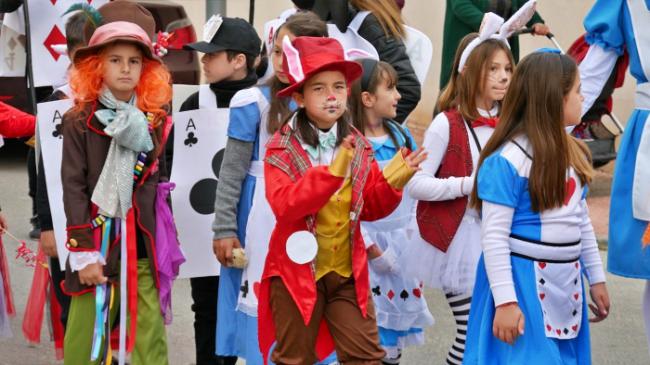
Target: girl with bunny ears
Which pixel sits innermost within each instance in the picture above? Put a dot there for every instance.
(321, 182)
(446, 255)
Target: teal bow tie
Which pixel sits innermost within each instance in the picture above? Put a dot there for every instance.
(326, 141)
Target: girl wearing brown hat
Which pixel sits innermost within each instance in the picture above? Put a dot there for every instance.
(321, 182)
(110, 172)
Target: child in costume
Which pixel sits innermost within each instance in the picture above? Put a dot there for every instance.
(112, 144)
(228, 65)
(528, 305)
(401, 308)
(242, 214)
(613, 26)
(446, 255)
(321, 181)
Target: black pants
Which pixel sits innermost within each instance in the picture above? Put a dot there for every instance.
(205, 291)
(57, 278)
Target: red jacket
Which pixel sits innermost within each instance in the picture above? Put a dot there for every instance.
(16, 123)
(296, 191)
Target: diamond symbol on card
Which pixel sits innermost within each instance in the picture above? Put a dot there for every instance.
(55, 37)
(12, 43)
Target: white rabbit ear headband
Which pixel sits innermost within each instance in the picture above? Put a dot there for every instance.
(494, 27)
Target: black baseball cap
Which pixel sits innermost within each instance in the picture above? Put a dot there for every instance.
(234, 34)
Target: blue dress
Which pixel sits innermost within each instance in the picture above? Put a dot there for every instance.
(503, 180)
(236, 330)
(609, 25)
(400, 306)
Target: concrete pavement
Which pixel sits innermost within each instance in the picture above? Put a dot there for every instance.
(618, 340)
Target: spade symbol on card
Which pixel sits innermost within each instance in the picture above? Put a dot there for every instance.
(191, 139)
(204, 192)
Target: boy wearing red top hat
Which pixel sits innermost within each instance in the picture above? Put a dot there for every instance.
(112, 145)
(321, 181)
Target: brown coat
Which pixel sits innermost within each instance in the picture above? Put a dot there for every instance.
(85, 147)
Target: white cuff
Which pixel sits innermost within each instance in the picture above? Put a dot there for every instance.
(467, 185)
(595, 275)
(503, 294)
(79, 260)
(386, 263)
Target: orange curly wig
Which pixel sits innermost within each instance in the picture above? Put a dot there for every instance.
(153, 91)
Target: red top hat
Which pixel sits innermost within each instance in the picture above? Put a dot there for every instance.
(307, 56)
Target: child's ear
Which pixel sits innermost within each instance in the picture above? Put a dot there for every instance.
(299, 99)
(367, 99)
(240, 61)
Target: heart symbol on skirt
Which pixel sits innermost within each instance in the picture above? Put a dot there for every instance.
(576, 296)
(417, 292)
(558, 331)
(574, 328)
(569, 189)
(542, 265)
(548, 327)
(577, 265)
(542, 296)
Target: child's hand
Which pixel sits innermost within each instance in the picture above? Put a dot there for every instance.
(600, 297)
(92, 274)
(48, 244)
(415, 158)
(223, 249)
(348, 142)
(508, 323)
(374, 251)
(3, 223)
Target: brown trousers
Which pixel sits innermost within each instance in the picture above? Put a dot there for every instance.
(356, 339)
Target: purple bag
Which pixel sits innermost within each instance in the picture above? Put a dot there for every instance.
(169, 256)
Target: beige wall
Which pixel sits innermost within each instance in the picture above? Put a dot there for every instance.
(564, 18)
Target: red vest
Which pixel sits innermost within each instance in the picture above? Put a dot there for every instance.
(438, 221)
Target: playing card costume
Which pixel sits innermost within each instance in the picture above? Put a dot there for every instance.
(114, 201)
(306, 305)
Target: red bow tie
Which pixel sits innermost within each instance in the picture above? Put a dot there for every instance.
(481, 121)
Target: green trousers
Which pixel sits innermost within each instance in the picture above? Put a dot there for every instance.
(150, 341)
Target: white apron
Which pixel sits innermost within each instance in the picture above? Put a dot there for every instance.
(261, 222)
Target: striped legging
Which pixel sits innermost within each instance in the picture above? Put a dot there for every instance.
(459, 304)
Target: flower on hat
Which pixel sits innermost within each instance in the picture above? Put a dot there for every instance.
(160, 46)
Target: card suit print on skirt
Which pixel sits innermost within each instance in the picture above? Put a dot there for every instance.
(569, 189)
(574, 328)
(376, 291)
(541, 265)
(576, 296)
(391, 294)
(417, 292)
(558, 331)
(542, 296)
(404, 294)
(549, 328)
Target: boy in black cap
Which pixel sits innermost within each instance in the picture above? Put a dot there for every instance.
(230, 47)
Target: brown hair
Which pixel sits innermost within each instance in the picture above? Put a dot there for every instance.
(534, 107)
(250, 59)
(303, 23)
(382, 72)
(462, 89)
(387, 13)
